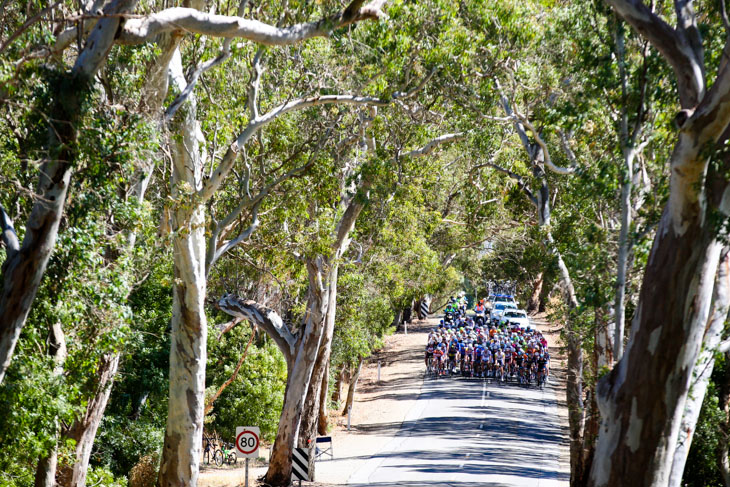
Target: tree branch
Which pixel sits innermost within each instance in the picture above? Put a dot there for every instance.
(206, 66)
(209, 405)
(675, 47)
(516, 177)
(548, 160)
(432, 144)
(710, 119)
(102, 38)
(28, 23)
(141, 30)
(224, 167)
(265, 318)
(224, 328)
(9, 237)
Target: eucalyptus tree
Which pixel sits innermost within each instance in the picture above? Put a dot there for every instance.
(25, 262)
(640, 429)
(307, 350)
(104, 25)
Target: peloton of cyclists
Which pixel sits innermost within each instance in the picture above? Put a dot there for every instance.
(476, 347)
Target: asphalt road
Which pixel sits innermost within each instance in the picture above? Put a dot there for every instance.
(467, 433)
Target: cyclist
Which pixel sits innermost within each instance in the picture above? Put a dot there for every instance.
(499, 364)
(478, 359)
(438, 356)
(429, 355)
(542, 368)
(453, 354)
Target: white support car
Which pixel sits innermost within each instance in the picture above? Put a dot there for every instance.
(516, 318)
(499, 309)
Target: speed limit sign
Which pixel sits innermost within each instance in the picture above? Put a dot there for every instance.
(247, 441)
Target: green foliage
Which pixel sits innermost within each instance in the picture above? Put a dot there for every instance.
(256, 396)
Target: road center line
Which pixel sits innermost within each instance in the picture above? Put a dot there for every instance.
(484, 392)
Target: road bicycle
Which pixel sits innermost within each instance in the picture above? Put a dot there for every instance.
(501, 378)
(452, 365)
(541, 378)
(208, 449)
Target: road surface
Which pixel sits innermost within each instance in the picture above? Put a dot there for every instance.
(467, 433)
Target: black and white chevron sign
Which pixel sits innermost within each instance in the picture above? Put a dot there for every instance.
(424, 308)
(300, 464)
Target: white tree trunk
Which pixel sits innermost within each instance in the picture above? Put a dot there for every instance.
(188, 355)
(605, 332)
(83, 431)
(300, 372)
(45, 475)
(702, 370)
(635, 419)
(24, 267)
(623, 254)
(311, 413)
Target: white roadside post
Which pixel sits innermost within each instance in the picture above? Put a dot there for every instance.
(247, 444)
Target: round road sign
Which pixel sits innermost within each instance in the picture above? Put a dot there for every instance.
(247, 442)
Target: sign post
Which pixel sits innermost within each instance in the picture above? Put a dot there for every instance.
(247, 444)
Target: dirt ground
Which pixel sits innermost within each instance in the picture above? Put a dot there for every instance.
(381, 406)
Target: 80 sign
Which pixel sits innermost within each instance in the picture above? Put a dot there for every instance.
(247, 441)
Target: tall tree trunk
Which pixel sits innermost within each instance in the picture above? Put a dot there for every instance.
(602, 359)
(183, 437)
(45, 474)
(590, 433)
(354, 376)
(702, 369)
(23, 268)
(25, 265)
(574, 392)
(638, 423)
(642, 400)
(83, 431)
(300, 371)
(397, 318)
(336, 395)
(311, 408)
(604, 335)
(723, 449)
(623, 254)
(322, 424)
(547, 287)
(533, 304)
